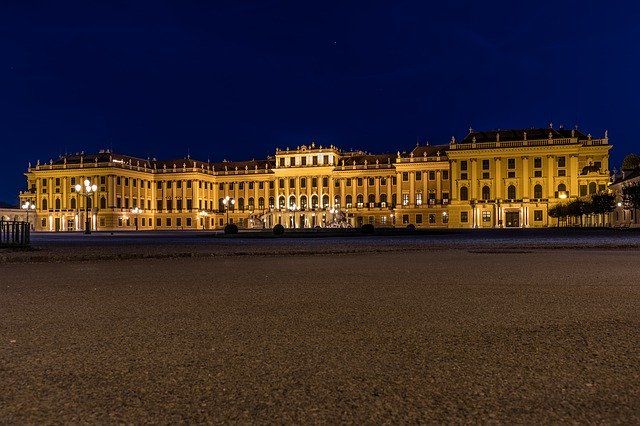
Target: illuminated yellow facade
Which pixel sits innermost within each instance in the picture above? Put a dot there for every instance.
(488, 179)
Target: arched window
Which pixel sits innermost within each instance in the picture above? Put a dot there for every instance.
(464, 193)
(360, 200)
(325, 201)
(593, 188)
(337, 201)
(562, 187)
(281, 203)
(348, 201)
(221, 204)
(292, 201)
(372, 200)
(511, 192)
(314, 201)
(537, 191)
(486, 193)
(261, 203)
(250, 205)
(73, 204)
(394, 200)
(103, 203)
(57, 203)
(44, 204)
(303, 201)
(272, 203)
(383, 200)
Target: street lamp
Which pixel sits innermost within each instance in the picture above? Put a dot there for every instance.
(28, 206)
(203, 217)
(227, 202)
(89, 190)
(136, 211)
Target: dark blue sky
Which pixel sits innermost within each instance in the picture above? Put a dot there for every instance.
(234, 79)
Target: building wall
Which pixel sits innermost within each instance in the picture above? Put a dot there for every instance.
(506, 184)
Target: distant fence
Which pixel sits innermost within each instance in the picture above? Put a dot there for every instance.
(14, 233)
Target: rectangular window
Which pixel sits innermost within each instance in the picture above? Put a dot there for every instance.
(179, 221)
(562, 172)
(537, 163)
(271, 184)
(511, 163)
(303, 182)
(135, 183)
(292, 183)
(464, 217)
(169, 183)
(405, 176)
(241, 185)
(260, 185)
(485, 164)
(383, 220)
(405, 199)
(463, 165)
(179, 184)
(418, 218)
(511, 174)
(418, 175)
(314, 159)
(394, 180)
(405, 219)
(188, 184)
(188, 221)
(250, 185)
(383, 181)
(359, 181)
(445, 198)
(537, 215)
(304, 161)
(464, 176)
(372, 181)
(231, 186)
(179, 204)
(485, 175)
(562, 161)
(326, 159)
(158, 221)
(445, 175)
(221, 187)
(432, 218)
(418, 199)
(126, 181)
(348, 181)
(432, 175)
(537, 173)
(282, 162)
(445, 217)
(118, 202)
(325, 182)
(168, 221)
(486, 216)
(158, 205)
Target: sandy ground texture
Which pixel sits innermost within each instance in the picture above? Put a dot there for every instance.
(436, 336)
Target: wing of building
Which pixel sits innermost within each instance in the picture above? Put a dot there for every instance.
(504, 178)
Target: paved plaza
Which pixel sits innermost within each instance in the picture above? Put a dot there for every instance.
(241, 332)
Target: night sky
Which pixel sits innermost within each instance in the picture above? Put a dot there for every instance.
(235, 79)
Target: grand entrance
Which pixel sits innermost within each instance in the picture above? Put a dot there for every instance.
(512, 219)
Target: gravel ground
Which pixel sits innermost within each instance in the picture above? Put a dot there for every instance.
(482, 334)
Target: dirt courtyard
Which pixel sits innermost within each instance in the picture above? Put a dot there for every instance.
(444, 336)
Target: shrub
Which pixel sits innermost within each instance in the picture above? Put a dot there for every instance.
(231, 228)
(367, 229)
(278, 230)
(411, 227)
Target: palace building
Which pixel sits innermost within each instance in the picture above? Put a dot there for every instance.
(493, 179)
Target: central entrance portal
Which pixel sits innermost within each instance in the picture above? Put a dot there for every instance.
(513, 219)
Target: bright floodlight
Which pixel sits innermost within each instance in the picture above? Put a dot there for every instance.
(87, 182)
(78, 187)
(94, 187)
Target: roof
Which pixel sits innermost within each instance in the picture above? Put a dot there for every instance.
(522, 134)
(430, 150)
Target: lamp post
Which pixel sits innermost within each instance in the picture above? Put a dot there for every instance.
(203, 217)
(227, 203)
(89, 190)
(28, 206)
(136, 211)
